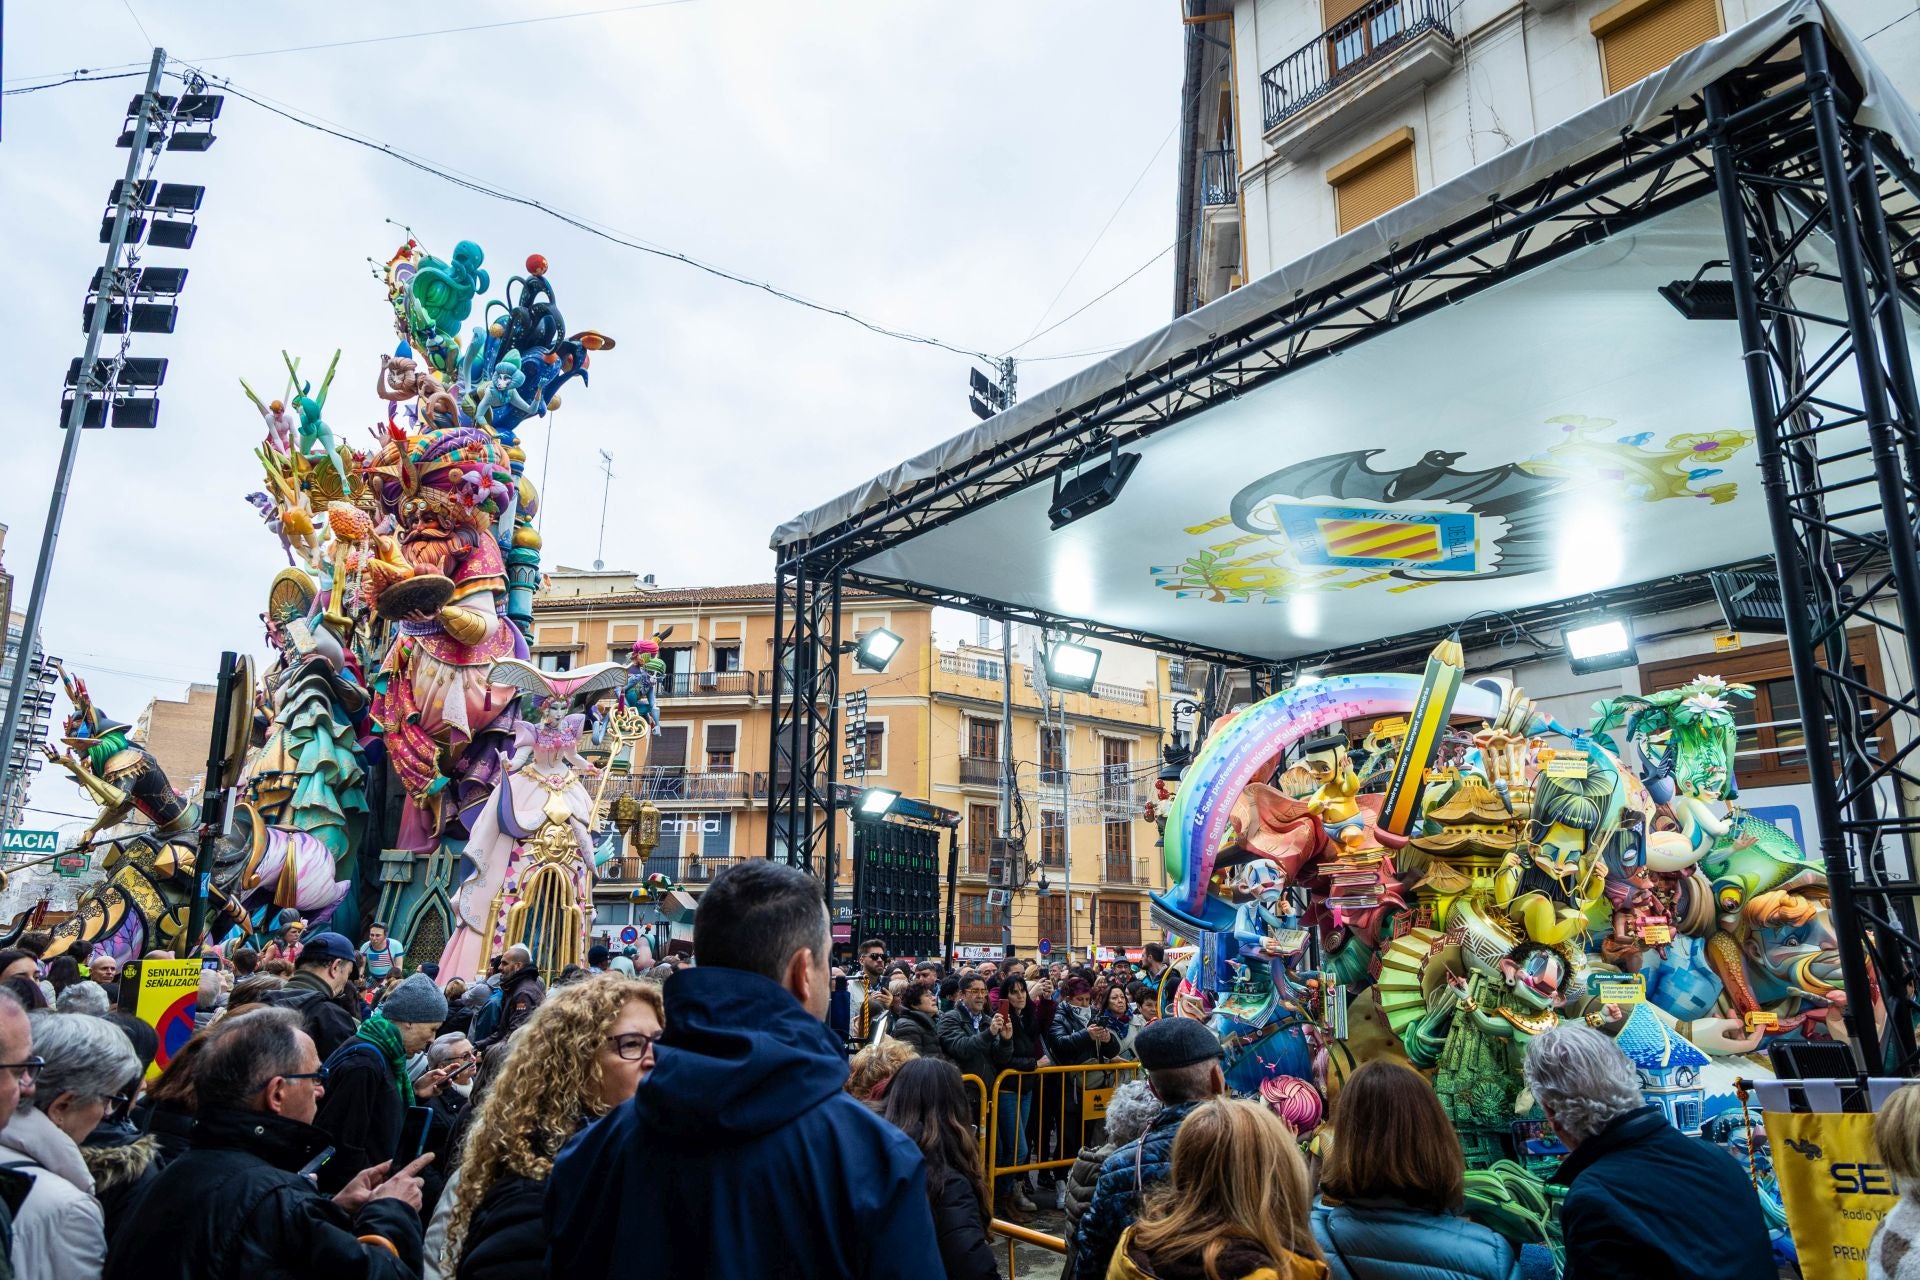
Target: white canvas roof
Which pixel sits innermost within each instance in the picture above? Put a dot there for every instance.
(1563, 432)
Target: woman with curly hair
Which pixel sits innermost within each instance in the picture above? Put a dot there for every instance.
(582, 1053)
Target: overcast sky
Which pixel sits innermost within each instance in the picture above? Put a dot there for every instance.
(935, 165)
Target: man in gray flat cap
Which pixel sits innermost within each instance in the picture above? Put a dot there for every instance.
(1182, 1062)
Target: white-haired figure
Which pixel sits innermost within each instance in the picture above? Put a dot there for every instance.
(1643, 1199)
(1129, 1111)
(81, 1067)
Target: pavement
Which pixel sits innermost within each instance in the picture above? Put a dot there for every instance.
(1031, 1261)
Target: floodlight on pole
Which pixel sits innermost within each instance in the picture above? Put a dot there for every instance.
(1084, 486)
(1600, 646)
(876, 648)
(875, 803)
(1071, 667)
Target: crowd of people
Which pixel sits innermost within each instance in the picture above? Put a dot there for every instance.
(334, 1115)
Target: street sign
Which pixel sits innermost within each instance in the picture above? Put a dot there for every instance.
(72, 864)
(19, 841)
(1046, 946)
(629, 936)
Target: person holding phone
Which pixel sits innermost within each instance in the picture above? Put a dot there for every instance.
(368, 1087)
(237, 1203)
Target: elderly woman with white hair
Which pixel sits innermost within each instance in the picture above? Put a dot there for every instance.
(1130, 1111)
(82, 1068)
(1630, 1169)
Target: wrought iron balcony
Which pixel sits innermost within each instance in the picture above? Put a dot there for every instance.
(1344, 50)
(979, 771)
(631, 873)
(1219, 176)
(714, 684)
(1123, 871)
(667, 783)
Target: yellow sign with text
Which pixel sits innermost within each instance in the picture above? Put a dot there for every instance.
(1833, 1186)
(168, 992)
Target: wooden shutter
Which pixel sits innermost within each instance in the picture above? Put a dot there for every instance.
(1369, 183)
(1333, 11)
(1639, 37)
(669, 748)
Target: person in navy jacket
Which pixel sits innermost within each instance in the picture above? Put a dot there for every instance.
(742, 1154)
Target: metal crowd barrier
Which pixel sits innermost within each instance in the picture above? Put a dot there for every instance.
(1076, 1104)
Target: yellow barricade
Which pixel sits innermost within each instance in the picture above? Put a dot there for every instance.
(977, 1088)
(1075, 1097)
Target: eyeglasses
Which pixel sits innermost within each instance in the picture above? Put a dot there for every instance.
(634, 1045)
(318, 1077)
(116, 1101)
(24, 1072)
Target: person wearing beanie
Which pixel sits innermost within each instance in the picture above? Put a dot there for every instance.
(368, 1089)
(597, 956)
(1182, 1061)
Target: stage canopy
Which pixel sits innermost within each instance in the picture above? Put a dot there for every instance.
(1480, 401)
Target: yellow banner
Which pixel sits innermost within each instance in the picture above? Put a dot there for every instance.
(1833, 1186)
(168, 992)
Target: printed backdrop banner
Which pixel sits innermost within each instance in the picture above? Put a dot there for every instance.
(1833, 1186)
(168, 992)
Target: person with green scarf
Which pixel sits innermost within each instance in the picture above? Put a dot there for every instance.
(368, 1089)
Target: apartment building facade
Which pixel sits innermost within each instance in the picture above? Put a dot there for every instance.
(1084, 762)
(1303, 119)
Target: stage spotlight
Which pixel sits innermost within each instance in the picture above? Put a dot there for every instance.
(875, 802)
(172, 233)
(1084, 486)
(876, 649)
(1071, 668)
(1750, 601)
(1600, 647)
(1698, 299)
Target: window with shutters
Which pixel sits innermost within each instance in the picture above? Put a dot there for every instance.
(876, 746)
(726, 657)
(1117, 846)
(1119, 922)
(1639, 37)
(1053, 838)
(1053, 754)
(1370, 182)
(669, 749)
(983, 824)
(1053, 918)
(1357, 28)
(983, 739)
(978, 922)
(722, 741)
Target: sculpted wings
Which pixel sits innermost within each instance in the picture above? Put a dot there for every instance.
(516, 673)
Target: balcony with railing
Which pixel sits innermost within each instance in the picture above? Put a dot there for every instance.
(960, 664)
(631, 873)
(1373, 36)
(665, 784)
(715, 684)
(1126, 872)
(979, 771)
(1219, 176)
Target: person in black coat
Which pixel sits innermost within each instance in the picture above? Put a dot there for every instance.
(368, 1088)
(928, 1102)
(321, 991)
(1630, 1167)
(913, 1022)
(236, 1207)
(968, 1035)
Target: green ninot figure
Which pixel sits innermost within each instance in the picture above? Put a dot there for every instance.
(312, 430)
(442, 292)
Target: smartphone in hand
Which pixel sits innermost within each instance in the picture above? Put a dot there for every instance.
(413, 1136)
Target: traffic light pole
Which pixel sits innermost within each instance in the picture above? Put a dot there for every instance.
(76, 415)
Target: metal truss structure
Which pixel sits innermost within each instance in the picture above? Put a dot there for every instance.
(1839, 437)
(1777, 145)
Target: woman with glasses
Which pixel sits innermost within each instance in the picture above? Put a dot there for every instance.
(82, 1067)
(582, 1053)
